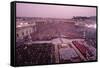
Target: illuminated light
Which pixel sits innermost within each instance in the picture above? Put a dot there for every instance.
(26, 23)
(19, 26)
(94, 26)
(91, 26)
(21, 23)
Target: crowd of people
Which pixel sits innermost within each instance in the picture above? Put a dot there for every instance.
(85, 51)
(34, 54)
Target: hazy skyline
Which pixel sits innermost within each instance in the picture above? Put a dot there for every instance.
(52, 11)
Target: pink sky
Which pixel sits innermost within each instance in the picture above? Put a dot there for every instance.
(53, 11)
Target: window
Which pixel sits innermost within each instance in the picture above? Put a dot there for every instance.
(17, 35)
(22, 33)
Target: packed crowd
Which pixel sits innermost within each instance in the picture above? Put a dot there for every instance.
(34, 54)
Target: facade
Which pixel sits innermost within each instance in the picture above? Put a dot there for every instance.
(23, 29)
